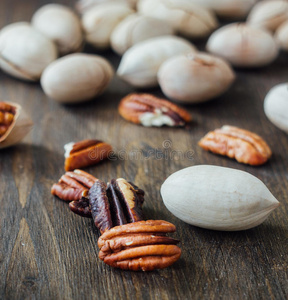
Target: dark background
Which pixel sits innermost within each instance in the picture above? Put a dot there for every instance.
(47, 252)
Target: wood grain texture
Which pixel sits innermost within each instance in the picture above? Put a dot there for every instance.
(47, 252)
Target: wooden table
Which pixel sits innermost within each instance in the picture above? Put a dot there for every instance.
(47, 252)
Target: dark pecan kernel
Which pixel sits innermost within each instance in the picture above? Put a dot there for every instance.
(81, 207)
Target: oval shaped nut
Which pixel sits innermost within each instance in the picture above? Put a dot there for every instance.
(100, 21)
(276, 106)
(186, 17)
(137, 28)
(60, 24)
(243, 45)
(217, 198)
(194, 77)
(268, 14)
(281, 36)
(243, 145)
(76, 78)
(25, 52)
(140, 64)
(230, 9)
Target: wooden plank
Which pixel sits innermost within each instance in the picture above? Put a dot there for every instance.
(46, 252)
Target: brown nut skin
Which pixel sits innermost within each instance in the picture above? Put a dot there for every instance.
(139, 246)
(86, 153)
(245, 146)
(135, 107)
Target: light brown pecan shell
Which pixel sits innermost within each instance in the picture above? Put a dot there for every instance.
(135, 107)
(138, 246)
(245, 146)
(86, 153)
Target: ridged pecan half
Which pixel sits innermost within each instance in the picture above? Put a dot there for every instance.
(245, 146)
(85, 153)
(72, 185)
(7, 114)
(138, 246)
(116, 204)
(149, 110)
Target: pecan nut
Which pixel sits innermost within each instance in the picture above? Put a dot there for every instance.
(138, 246)
(149, 110)
(116, 204)
(72, 185)
(85, 153)
(7, 115)
(245, 146)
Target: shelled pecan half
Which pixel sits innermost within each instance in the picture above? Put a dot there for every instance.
(245, 146)
(149, 110)
(72, 185)
(116, 204)
(138, 246)
(85, 153)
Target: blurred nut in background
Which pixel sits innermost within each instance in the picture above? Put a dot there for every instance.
(76, 78)
(84, 5)
(100, 21)
(137, 28)
(281, 36)
(14, 124)
(243, 46)
(140, 63)
(189, 19)
(195, 77)
(25, 52)
(61, 25)
(276, 106)
(269, 14)
(230, 9)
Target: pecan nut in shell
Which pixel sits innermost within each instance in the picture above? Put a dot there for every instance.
(149, 110)
(245, 146)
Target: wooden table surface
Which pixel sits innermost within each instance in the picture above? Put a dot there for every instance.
(47, 252)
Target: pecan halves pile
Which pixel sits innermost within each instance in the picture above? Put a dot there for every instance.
(85, 153)
(149, 110)
(139, 246)
(245, 146)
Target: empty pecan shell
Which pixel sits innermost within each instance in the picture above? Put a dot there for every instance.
(245, 146)
(116, 204)
(72, 185)
(85, 153)
(149, 110)
(138, 246)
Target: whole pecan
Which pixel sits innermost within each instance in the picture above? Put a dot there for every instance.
(85, 153)
(116, 204)
(245, 146)
(72, 185)
(138, 246)
(149, 110)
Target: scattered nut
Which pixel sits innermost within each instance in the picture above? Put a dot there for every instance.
(281, 36)
(230, 9)
(140, 64)
(194, 77)
(188, 18)
(14, 124)
(276, 106)
(25, 52)
(243, 45)
(60, 24)
(100, 21)
(218, 198)
(137, 28)
(149, 110)
(268, 14)
(138, 246)
(85, 153)
(76, 78)
(243, 145)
